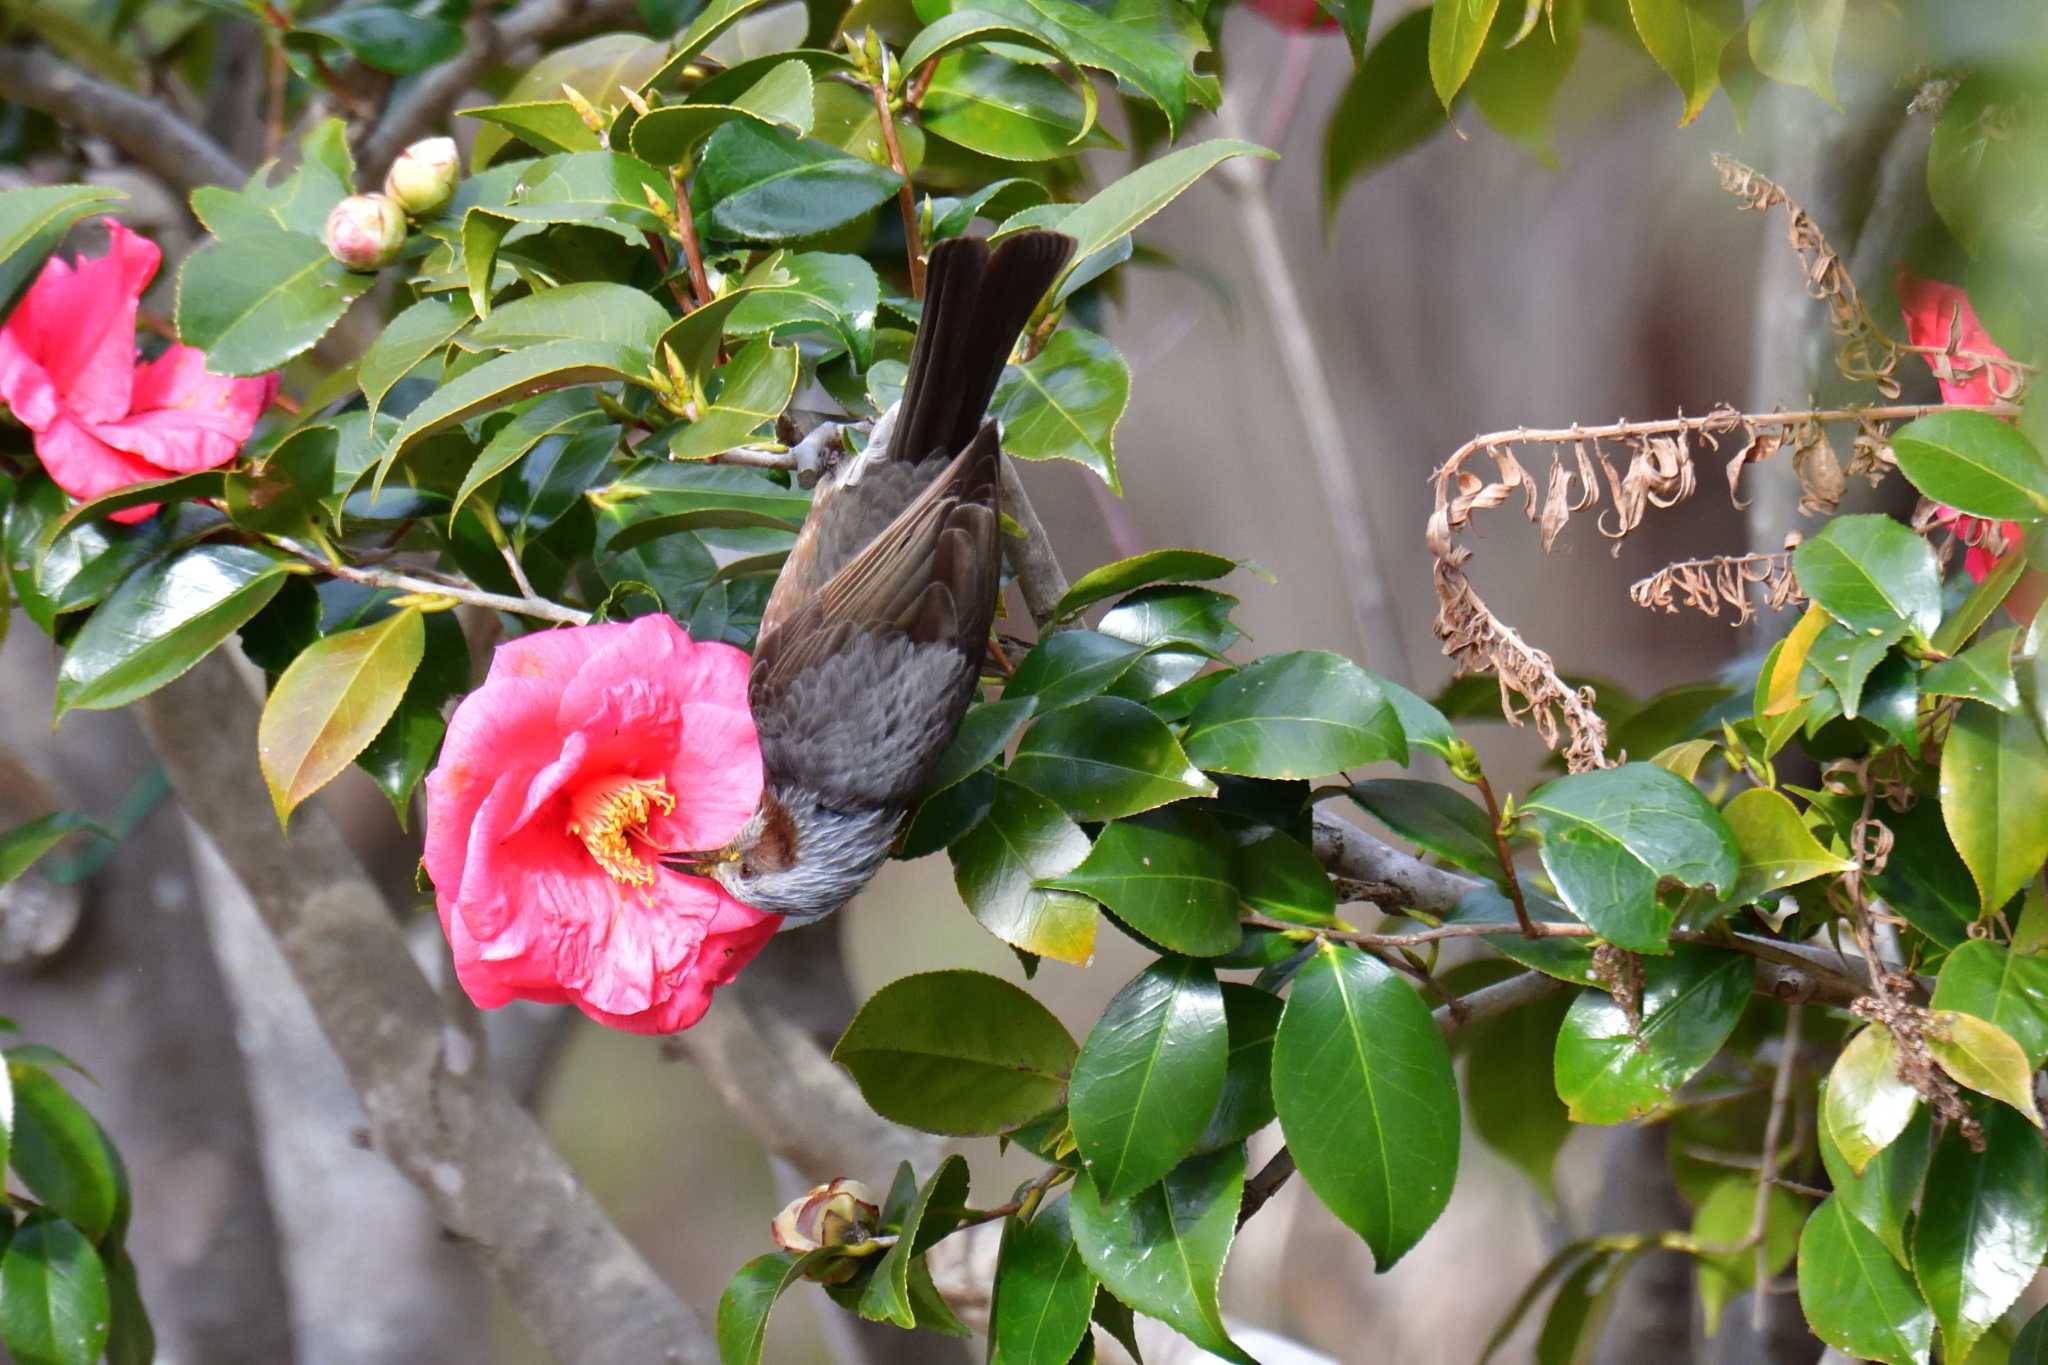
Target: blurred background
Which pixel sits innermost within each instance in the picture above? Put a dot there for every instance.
(1465, 288)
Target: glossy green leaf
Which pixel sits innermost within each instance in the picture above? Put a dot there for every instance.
(1982, 1229)
(1882, 1196)
(1686, 37)
(1303, 714)
(1104, 758)
(1167, 874)
(1866, 1104)
(595, 310)
(254, 301)
(1777, 849)
(1043, 1293)
(1162, 1251)
(2007, 988)
(1981, 1055)
(1516, 87)
(1153, 566)
(1278, 875)
(22, 846)
(555, 415)
(33, 220)
(1994, 799)
(757, 183)
(781, 98)
(1008, 110)
(1613, 836)
(54, 1308)
(1069, 666)
(1793, 42)
(1147, 43)
(1246, 1104)
(985, 731)
(1508, 1089)
(744, 1306)
(1436, 818)
(1608, 1071)
(1148, 1076)
(1362, 1081)
(1123, 205)
(957, 1052)
(714, 19)
(1872, 574)
(815, 291)
(1388, 108)
(935, 1212)
(1457, 29)
(1567, 959)
(1972, 461)
(164, 619)
(331, 703)
(1064, 403)
(546, 125)
(387, 37)
(1855, 1296)
(506, 379)
(1847, 659)
(131, 1340)
(1983, 672)
(400, 754)
(60, 1153)
(756, 387)
(409, 338)
(1022, 840)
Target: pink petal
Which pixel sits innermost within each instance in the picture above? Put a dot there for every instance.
(25, 385)
(79, 322)
(185, 418)
(554, 655)
(85, 466)
(716, 776)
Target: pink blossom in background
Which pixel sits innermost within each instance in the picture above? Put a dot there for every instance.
(587, 753)
(68, 371)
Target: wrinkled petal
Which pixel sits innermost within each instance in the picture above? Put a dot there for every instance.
(79, 323)
(696, 940)
(85, 466)
(1939, 315)
(718, 762)
(554, 655)
(185, 418)
(25, 386)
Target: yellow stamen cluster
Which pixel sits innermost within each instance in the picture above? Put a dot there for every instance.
(604, 814)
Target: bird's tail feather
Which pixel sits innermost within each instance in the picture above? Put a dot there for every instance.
(977, 300)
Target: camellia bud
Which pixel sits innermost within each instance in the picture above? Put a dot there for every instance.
(423, 178)
(843, 1213)
(365, 232)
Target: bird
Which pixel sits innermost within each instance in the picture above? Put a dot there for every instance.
(871, 645)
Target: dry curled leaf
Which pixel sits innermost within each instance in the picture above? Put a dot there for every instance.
(1707, 585)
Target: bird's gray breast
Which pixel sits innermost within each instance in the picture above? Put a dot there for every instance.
(864, 724)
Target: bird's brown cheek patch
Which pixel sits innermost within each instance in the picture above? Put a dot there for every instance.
(776, 850)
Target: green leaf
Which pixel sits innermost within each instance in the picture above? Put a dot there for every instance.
(1994, 799)
(1882, 1196)
(985, 731)
(131, 1340)
(756, 183)
(1983, 1228)
(1516, 87)
(506, 379)
(1246, 1104)
(1608, 1071)
(935, 1212)
(1508, 1089)
(1777, 849)
(756, 388)
(398, 756)
(1162, 1250)
(1362, 1081)
(744, 1306)
(1584, 1301)
(669, 135)
(163, 620)
(1983, 600)
(546, 125)
(956, 1052)
(1793, 42)
(23, 845)
(1866, 1104)
(1064, 403)
(1153, 566)
(1612, 837)
(1686, 37)
(255, 300)
(1069, 666)
(2030, 1347)
(1972, 461)
(1022, 840)
(1847, 659)
(1457, 28)
(1436, 818)
(1043, 1292)
(1724, 1219)
(816, 291)
(1295, 715)
(1981, 1055)
(714, 19)
(2006, 988)
(386, 37)
(595, 310)
(1277, 875)
(1148, 43)
(1149, 1075)
(331, 703)
(1872, 575)
(61, 1154)
(1387, 109)
(1123, 205)
(1983, 672)
(1166, 874)
(1008, 110)
(408, 339)
(33, 220)
(54, 1308)
(1104, 758)
(1855, 1296)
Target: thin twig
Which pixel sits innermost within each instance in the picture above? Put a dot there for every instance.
(539, 608)
(906, 197)
(1774, 1132)
(1505, 857)
(693, 254)
(1039, 576)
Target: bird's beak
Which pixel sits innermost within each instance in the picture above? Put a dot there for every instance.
(699, 864)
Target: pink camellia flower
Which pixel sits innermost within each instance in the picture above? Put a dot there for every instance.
(1939, 315)
(586, 754)
(101, 421)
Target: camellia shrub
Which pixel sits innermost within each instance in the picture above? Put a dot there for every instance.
(600, 347)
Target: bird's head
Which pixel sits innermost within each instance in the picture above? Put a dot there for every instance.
(797, 858)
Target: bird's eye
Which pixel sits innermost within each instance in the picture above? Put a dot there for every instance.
(746, 869)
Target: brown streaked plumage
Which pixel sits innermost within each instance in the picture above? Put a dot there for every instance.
(874, 635)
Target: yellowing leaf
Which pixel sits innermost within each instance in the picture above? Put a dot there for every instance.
(1865, 1104)
(1777, 849)
(1981, 1055)
(1781, 693)
(1994, 799)
(331, 702)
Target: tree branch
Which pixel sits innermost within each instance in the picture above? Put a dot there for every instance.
(1039, 576)
(483, 1164)
(148, 131)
